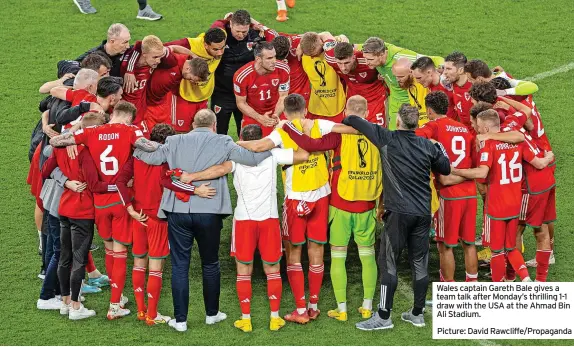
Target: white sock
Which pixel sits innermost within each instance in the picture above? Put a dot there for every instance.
(274, 314)
(313, 306)
(301, 310)
(246, 316)
(281, 5)
(368, 304)
(342, 307)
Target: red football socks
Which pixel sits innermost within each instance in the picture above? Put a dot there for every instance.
(274, 290)
(543, 262)
(244, 293)
(109, 263)
(119, 276)
(154, 283)
(138, 281)
(297, 283)
(498, 267)
(515, 258)
(90, 266)
(315, 282)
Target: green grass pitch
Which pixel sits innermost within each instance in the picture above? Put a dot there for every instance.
(526, 37)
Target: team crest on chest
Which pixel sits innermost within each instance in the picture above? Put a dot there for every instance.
(275, 82)
(250, 45)
(180, 122)
(216, 109)
(467, 96)
(363, 74)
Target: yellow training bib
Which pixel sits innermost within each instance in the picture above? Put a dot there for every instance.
(312, 174)
(417, 94)
(196, 92)
(327, 94)
(361, 169)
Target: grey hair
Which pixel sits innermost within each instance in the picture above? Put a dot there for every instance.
(85, 77)
(374, 45)
(409, 116)
(204, 118)
(115, 30)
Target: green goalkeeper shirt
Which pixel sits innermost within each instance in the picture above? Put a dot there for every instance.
(398, 96)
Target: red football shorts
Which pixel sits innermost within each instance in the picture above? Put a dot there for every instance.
(182, 113)
(114, 223)
(378, 112)
(150, 240)
(248, 120)
(265, 235)
(500, 234)
(157, 114)
(298, 229)
(456, 220)
(337, 119)
(538, 209)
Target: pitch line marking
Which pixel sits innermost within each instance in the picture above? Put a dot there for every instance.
(549, 73)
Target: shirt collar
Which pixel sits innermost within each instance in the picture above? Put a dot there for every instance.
(201, 130)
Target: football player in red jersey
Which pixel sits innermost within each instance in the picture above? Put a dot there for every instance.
(501, 164)
(260, 88)
(140, 62)
(538, 205)
(110, 146)
(76, 212)
(164, 103)
(425, 72)
(285, 48)
(538, 133)
(453, 74)
(456, 218)
(359, 79)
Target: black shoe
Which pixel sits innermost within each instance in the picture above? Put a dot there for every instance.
(94, 247)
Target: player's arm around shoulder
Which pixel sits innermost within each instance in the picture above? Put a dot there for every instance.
(160, 153)
(242, 154)
(265, 144)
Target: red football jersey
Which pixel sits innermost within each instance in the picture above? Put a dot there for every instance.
(538, 133)
(72, 204)
(512, 121)
(79, 95)
(458, 143)
(147, 187)
(536, 181)
(75, 97)
(448, 90)
(110, 146)
(165, 81)
(130, 61)
(504, 194)
(299, 82)
(262, 91)
(462, 102)
(362, 80)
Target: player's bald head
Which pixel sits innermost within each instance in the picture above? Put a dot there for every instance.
(402, 67)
